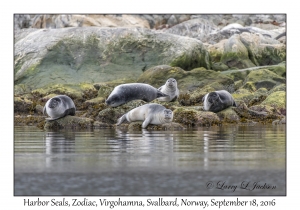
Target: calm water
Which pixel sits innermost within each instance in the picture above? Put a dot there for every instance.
(227, 160)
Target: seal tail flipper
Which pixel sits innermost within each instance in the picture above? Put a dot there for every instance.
(121, 119)
(234, 104)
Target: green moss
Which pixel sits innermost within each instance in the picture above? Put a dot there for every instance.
(276, 99)
(105, 90)
(236, 59)
(280, 70)
(263, 78)
(281, 87)
(228, 116)
(79, 93)
(191, 60)
(191, 117)
(238, 84)
(219, 66)
(249, 86)
(272, 55)
(186, 117)
(243, 95)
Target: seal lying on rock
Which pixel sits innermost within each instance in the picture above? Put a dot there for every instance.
(133, 91)
(149, 113)
(217, 101)
(58, 107)
(170, 88)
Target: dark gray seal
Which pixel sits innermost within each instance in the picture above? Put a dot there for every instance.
(217, 101)
(149, 113)
(58, 107)
(170, 88)
(133, 91)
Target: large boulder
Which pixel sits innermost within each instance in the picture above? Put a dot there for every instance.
(262, 78)
(263, 50)
(75, 20)
(236, 54)
(276, 99)
(93, 54)
(199, 28)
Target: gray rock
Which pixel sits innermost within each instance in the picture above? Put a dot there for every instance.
(75, 55)
(199, 28)
(236, 54)
(263, 50)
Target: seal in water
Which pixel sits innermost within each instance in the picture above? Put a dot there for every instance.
(132, 91)
(217, 101)
(58, 107)
(149, 113)
(170, 88)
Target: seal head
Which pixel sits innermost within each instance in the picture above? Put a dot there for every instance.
(170, 89)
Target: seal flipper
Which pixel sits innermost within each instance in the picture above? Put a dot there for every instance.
(174, 99)
(51, 119)
(70, 111)
(160, 94)
(234, 104)
(146, 122)
(121, 119)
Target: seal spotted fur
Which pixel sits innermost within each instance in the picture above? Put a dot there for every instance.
(132, 91)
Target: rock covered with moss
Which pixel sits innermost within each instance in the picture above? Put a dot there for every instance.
(186, 80)
(276, 99)
(69, 122)
(262, 78)
(94, 54)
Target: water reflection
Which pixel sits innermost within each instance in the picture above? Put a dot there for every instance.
(204, 149)
(58, 143)
(209, 152)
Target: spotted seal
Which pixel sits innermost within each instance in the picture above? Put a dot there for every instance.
(217, 101)
(170, 88)
(149, 113)
(58, 107)
(132, 91)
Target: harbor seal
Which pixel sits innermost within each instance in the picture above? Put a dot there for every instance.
(217, 101)
(149, 113)
(170, 88)
(58, 107)
(132, 91)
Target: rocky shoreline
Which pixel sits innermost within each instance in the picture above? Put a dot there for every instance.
(86, 63)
